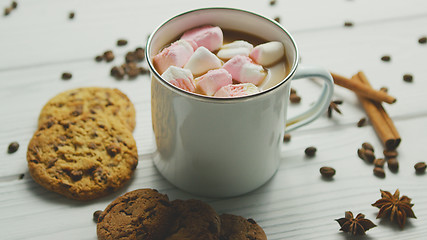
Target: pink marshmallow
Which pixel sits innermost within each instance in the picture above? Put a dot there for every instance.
(268, 53)
(210, 37)
(244, 70)
(237, 90)
(177, 54)
(213, 80)
(180, 77)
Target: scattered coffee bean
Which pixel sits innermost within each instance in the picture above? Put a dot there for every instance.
(117, 72)
(7, 11)
(293, 91)
(272, 2)
(361, 153)
(368, 146)
(369, 155)
(390, 153)
(131, 69)
(327, 172)
(99, 58)
(379, 162)
(310, 151)
(384, 89)
(386, 58)
(143, 70)
(420, 167)
(108, 55)
(379, 172)
(393, 164)
(407, 78)
(122, 42)
(287, 137)
(361, 122)
(348, 24)
(294, 98)
(277, 19)
(14, 4)
(66, 76)
(13, 147)
(140, 53)
(130, 57)
(71, 15)
(96, 215)
(422, 40)
(21, 176)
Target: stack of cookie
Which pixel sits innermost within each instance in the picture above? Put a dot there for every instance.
(84, 148)
(149, 215)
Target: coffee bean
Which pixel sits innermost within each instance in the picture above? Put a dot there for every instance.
(294, 98)
(386, 58)
(327, 172)
(348, 24)
(272, 2)
(122, 42)
(422, 40)
(293, 91)
(96, 215)
(108, 55)
(361, 153)
(66, 76)
(99, 58)
(390, 153)
(361, 122)
(118, 72)
(310, 151)
(379, 162)
(130, 57)
(277, 19)
(21, 176)
(368, 146)
(143, 70)
(369, 155)
(13, 147)
(384, 89)
(407, 78)
(140, 53)
(14, 4)
(7, 11)
(420, 167)
(379, 172)
(287, 137)
(393, 164)
(71, 15)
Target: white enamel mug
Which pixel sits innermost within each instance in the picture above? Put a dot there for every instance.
(223, 147)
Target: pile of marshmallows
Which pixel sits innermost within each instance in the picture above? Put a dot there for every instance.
(192, 55)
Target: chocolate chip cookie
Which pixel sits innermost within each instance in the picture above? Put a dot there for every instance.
(195, 220)
(84, 157)
(239, 228)
(141, 214)
(90, 100)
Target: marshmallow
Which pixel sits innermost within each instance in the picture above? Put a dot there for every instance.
(213, 80)
(202, 61)
(268, 53)
(207, 36)
(237, 90)
(180, 77)
(235, 48)
(177, 54)
(244, 70)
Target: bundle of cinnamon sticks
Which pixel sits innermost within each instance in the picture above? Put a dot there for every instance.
(371, 100)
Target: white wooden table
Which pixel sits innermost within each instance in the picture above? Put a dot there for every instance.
(38, 42)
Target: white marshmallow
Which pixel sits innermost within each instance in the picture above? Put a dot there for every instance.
(213, 80)
(237, 90)
(235, 48)
(268, 53)
(177, 54)
(244, 70)
(202, 61)
(180, 77)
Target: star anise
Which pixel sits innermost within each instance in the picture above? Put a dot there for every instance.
(333, 106)
(394, 207)
(355, 226)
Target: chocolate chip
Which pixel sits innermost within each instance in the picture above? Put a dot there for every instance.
(287, 137)
(108, 55)
(66, 76)
(76, 175)
(96, 215)
(420, 167)
(327, 172)
(407, 78)
(113, 150)
(122, 42)
(361, 122)
(251, 221)
(368, 146)
(379, 162)
(379, 172)
(422, 40)
(348, 24)
(13, 147)
(386, 58)
(310, 151)
(71, 15)
(393, 164)
(91, 145)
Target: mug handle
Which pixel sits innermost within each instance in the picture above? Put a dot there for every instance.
(323, 102)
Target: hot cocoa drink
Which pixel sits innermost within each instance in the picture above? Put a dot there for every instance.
(211, 61)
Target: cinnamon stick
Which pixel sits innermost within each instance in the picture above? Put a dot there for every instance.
(381, 121)
(362, 89)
